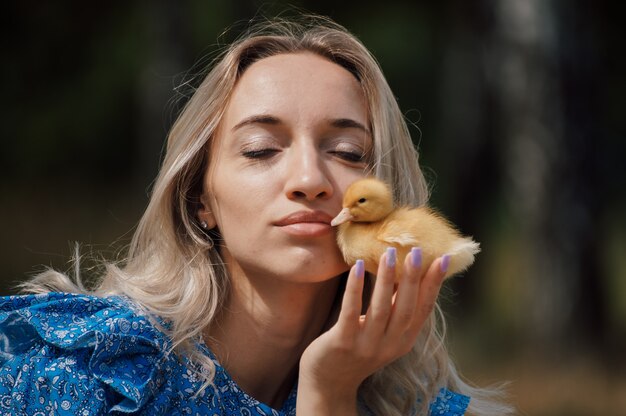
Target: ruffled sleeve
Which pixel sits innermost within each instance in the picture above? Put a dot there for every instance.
(449, 403)
(76, 354)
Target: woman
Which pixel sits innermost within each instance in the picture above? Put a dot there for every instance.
(234, 298)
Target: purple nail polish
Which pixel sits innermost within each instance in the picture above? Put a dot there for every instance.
(416, 257)
(445, 263)
(391, 257)
(360, 269)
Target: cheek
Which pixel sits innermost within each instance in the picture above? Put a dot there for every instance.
(346, 178)
(239, 199)
(234, 205)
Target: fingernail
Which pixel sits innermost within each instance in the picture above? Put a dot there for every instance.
(360, 269)
(416, 257)
(391, 257)
(445, 262)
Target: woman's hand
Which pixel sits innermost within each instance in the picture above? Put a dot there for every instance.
(336, 363)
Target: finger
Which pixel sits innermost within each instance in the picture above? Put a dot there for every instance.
(428, 292)
(405, 305)
(380, 306)
(350, 314)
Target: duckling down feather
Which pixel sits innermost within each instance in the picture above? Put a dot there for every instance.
(369, 223)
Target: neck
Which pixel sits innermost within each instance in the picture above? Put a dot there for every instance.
(265, 327)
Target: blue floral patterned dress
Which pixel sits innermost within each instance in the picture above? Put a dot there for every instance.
(67, 354)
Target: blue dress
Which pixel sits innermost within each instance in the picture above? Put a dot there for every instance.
(68, 354)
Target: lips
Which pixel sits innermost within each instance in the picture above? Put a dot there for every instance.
(306, 223)
(304, 217)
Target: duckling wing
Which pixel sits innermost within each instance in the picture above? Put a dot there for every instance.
(410, 227)
(397, 232)
(403, 239)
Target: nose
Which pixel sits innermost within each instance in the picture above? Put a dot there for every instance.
(307, 177)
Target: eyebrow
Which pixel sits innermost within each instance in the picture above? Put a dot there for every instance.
(348, 123)
(341, 123)
(257, 119)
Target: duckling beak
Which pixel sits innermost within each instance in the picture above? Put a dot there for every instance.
(343, 216)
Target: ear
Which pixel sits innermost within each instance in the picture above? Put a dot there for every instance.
(204, 212)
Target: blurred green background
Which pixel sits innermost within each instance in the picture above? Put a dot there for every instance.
(518, 111)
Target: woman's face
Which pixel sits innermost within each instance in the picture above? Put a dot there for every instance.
(293, 137)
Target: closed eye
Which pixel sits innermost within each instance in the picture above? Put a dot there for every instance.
(355, 157)
(259, 154)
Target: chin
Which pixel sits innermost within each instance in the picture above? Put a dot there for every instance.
(324, 274)
(301, 264)
(312, 269)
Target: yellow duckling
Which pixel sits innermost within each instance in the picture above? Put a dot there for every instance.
(369, 223)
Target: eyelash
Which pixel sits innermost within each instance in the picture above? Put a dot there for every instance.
(354, 157)
(259, 154)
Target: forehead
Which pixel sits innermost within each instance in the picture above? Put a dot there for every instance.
(297, 86)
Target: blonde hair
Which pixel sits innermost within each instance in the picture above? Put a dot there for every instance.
(173, 268)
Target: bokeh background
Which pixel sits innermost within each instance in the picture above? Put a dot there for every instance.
(518, 112)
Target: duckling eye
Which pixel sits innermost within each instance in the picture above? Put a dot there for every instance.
(362, 200)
